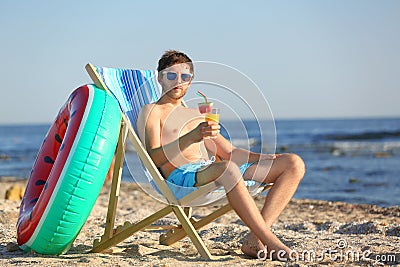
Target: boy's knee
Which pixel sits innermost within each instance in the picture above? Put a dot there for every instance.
(231, 167)
(296, 164)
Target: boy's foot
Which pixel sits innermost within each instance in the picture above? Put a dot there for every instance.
(254, 248)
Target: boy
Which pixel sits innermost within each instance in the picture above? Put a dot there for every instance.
(179, 141)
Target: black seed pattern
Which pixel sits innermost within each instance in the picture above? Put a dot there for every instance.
(47, 159)
(40, 182)
(34, 201)
(58, 138)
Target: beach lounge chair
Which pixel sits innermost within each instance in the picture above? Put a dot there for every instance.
(133, 89)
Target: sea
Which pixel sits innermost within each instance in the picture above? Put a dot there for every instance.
(351, 160)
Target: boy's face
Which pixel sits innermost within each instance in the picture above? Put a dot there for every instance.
(175, 80)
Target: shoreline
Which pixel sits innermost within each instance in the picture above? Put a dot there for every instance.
(311, 226)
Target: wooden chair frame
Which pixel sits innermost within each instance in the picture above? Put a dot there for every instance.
(113, 235)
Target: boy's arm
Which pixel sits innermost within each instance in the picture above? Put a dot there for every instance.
(148, 125)
(226, 150)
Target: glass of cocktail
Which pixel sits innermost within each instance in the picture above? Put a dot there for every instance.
(213, 115)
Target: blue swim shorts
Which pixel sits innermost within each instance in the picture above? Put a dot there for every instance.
(185, 176)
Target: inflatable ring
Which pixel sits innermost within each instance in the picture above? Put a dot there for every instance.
(69, 171)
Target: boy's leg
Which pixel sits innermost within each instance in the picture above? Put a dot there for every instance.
(228, 174)
(286, 172)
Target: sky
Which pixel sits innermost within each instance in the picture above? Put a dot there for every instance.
(310, 59)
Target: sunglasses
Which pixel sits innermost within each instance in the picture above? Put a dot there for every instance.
(186, 77)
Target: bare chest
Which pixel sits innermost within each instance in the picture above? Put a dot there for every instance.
(178, 122)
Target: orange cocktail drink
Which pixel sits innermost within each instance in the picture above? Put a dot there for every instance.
(212, 116)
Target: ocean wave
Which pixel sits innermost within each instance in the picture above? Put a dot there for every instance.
(379, 135)
(337, 148)
(245, 143)
(367, 146)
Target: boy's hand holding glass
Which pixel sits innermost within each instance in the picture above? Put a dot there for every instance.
(212, 117)
(205, 130)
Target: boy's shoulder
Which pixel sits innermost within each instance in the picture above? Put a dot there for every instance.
(149, 107)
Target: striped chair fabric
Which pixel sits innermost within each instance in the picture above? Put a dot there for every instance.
(132, 88)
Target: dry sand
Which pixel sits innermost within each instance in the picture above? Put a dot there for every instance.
(337, 233)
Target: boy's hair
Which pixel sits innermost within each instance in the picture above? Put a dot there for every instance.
(172, 57)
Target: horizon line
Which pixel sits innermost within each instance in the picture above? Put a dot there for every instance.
(246, 119)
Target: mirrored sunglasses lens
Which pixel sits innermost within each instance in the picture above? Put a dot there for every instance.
(171, 76)
(186, 77)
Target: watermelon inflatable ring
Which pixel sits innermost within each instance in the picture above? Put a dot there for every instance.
(69, 171)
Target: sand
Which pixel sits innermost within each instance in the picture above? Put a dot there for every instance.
(335, 232)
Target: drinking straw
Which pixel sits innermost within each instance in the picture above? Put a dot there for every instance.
(203, 95)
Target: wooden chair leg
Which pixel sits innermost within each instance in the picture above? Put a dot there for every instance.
(116, 182)
(188, 211)
(177, 234)
(188, 228)
(129, 229)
